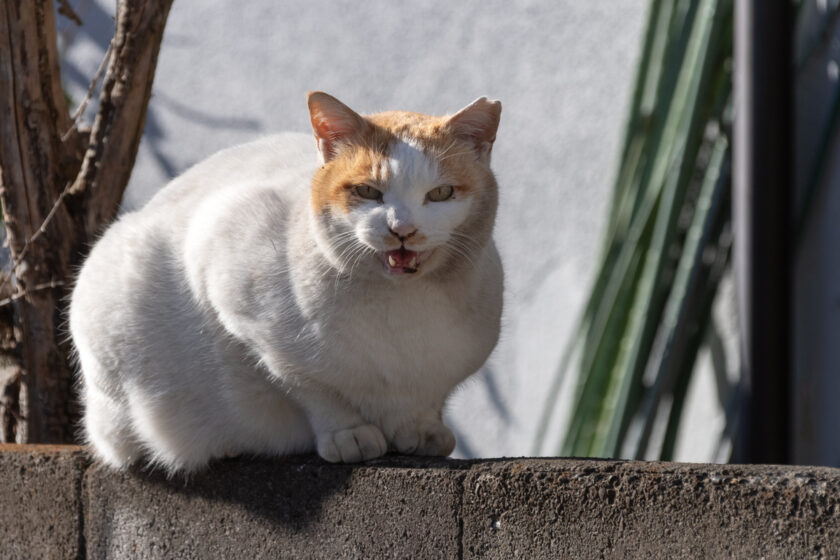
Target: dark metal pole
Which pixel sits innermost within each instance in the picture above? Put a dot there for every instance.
(763, 157)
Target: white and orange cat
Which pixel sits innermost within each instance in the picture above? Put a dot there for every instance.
(268, 302)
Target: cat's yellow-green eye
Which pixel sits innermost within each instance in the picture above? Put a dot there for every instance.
(368, 192)
(441, 193)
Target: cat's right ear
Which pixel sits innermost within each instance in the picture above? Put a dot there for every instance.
(477, 123)
(333, 122)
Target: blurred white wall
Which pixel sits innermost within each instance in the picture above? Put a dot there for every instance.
(231, 71)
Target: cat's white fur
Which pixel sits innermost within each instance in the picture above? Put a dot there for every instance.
(226, 317)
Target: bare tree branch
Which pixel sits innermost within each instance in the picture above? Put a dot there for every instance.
(67, 11)
(34, 164)
(116, 132)
(40, 231)
(18, 295)
(58, 187)
(80, 110)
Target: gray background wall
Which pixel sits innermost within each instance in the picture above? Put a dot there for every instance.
(232, 71)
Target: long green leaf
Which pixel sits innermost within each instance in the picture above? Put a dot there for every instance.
(683, 132)
(621, 265)
(680, 320)
(681, 86)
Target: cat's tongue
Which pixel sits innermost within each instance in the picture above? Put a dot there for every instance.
(401, 260)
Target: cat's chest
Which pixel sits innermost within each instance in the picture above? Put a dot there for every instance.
(398, 334)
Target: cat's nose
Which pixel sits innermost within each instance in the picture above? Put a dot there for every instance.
(402, 231)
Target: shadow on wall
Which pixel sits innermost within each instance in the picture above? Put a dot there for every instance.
(96, 33)
(154, 133)
(293, 501)
(291, 493)
(487, 377)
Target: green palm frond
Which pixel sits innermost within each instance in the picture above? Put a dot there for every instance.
(668, 233)
(674, 160)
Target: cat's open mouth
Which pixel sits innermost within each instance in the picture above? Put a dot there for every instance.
(403, 261)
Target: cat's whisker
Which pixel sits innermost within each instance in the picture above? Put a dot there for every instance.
(461, 253)
(363, 251)
(343, 237)
(346, 249)
(462, 250)
(458, 233)
(350, 233)
(353, 253)
(446, 150)
(465, 238)
(347, 260)
(455, 155)
(348, 270)
(470, 244)
(345, 246)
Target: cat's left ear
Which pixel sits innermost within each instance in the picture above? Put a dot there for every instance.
(333, 122)
(477, 123)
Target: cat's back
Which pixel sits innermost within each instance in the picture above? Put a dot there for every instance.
(284, 162)
(139, 261)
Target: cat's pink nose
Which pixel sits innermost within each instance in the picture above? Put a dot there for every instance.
(403, 231)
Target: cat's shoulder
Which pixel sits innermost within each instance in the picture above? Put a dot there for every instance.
(267, 155)
(285, 160)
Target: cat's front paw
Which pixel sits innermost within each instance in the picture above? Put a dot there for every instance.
(352, 445)
(429, 438)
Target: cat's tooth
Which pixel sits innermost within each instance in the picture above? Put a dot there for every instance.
(391, 260)
(413, 263)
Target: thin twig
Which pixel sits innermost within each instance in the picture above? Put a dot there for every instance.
(43, 227)
(8, 402)
(67, 11)
(19, 417)
(77, 114)
(36, 288)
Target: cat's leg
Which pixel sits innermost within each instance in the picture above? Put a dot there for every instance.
(178, 438)
(108, 429)
(341, 434)
(420, 434)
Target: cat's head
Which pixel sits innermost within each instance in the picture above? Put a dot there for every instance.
(401, 193)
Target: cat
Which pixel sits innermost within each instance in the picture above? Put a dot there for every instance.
(278, 299)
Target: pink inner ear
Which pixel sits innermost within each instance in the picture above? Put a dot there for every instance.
(331, 127)
(332, 121)
(478, 121)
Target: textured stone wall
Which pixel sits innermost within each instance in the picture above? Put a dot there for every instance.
(55, 503)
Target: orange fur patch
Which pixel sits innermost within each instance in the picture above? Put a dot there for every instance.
(358, 160)
(354, 164)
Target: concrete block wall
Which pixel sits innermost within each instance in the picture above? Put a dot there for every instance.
(55, 503)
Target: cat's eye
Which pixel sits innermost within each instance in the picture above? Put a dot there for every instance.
(441, 193)
(368, 192)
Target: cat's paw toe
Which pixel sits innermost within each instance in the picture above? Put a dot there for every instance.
(429, 438)
(352, 445)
